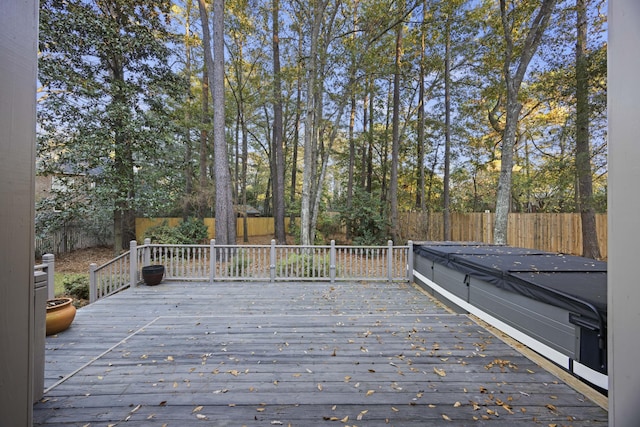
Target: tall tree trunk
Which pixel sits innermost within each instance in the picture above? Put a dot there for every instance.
(369, 185)
(310, 131)
(124, 214)
(365, 143)
(447, 132)
(245, 153)
(395, 137)
(225, 216)
(352, 159)
(420, 199)
(187, 206)
(277, 150)
(590, 247)
(204, 146)
(513, 81)
(296, 135)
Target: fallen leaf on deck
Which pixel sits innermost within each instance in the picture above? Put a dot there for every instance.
(201, 417)
(457, 405)
(197, 409)
(361, 414)
(395, 409)
(370, 392)
(444, 417)
(320, 387)
(170, 358)
(440, 372)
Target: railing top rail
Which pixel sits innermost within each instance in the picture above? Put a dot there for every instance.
(122, 255)
(169, 245)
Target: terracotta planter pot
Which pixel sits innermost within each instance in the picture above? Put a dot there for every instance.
(152, 274)
(60, 314)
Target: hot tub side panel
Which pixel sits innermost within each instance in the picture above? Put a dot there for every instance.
(543, 322)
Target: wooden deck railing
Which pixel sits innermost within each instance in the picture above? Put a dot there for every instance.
(272, 262)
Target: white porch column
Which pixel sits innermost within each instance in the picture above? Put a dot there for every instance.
(624, 205)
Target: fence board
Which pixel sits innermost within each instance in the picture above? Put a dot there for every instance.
(553, 232)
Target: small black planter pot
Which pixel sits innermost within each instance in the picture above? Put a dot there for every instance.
(152, 274)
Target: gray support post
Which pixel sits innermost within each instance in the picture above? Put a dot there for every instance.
(390, 260)
(212, 261)
(272, 264)
(49, 260)
(332, 261)
(93, 285)
(147, 252)
(623, 292)
(410, 261)
(133, 263)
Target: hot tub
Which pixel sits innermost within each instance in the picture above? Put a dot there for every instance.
(553, 303)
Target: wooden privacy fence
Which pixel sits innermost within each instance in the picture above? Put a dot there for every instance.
(261, 226)
(553, 232)
(67, 239)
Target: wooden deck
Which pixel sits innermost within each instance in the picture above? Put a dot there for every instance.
(299, 354)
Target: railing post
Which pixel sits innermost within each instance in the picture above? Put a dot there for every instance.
(272, 265)
(390, 260)
(147, 252)
(332, 261)
(410, 261)
(49, 260)
(133, 263)
(93, 286)
(212, 261)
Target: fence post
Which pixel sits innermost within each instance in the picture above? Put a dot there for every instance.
(93, 286)
(147, 252)
(133, 263)
(212, 261)
(49, 260)
(486, 235)
(410, 261)
(272, 265)
(332, 261)
(390, 260)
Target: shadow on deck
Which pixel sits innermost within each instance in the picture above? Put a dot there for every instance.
(299, 354)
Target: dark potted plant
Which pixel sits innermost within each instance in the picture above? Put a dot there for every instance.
(152, 274)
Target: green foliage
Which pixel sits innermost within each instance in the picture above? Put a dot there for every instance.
(364, 220)
(193, 230)
(76, 285)
(329, 226)
(104, 121)
(190, 231)
(305, 265)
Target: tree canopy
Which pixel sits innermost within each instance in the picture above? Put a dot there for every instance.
(364, 108)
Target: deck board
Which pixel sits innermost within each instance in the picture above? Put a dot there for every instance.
(295, 354)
